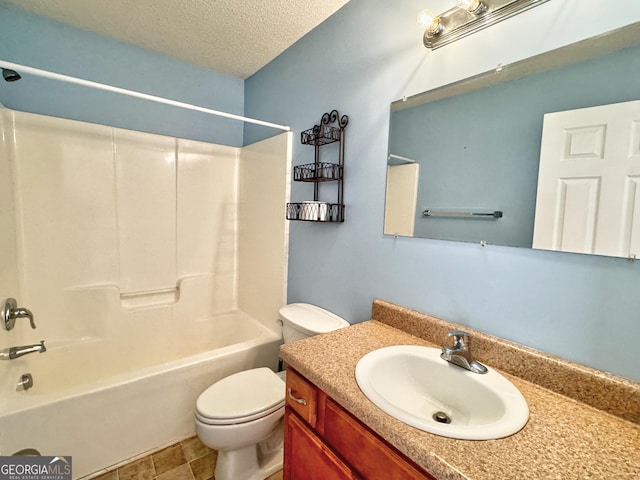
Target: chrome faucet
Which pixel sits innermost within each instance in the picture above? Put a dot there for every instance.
(460, 353)
(11, 312)
(16, 352)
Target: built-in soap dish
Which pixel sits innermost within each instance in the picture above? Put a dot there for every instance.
(149, 298)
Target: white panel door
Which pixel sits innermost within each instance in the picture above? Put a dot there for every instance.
(588, 197)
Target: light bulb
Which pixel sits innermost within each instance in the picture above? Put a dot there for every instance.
(466, 4)
(474, 6)
(431, 22)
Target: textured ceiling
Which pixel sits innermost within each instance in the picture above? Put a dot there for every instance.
(237, 37)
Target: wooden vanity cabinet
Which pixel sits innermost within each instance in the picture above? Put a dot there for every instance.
(325, 442)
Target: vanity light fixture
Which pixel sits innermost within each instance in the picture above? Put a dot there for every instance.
(467, 17)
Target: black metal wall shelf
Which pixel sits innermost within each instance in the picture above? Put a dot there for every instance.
(318, 172)
(321, 134)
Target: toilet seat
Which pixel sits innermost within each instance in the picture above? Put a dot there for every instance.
(241, 397)
(238, 420)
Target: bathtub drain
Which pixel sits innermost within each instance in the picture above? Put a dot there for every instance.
(27, 452)
(441, 417)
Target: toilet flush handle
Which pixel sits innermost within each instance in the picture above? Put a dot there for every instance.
(301, 401)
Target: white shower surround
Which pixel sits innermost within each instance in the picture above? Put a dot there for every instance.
(153, 265)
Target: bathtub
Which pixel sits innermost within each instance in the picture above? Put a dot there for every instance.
(103, 404)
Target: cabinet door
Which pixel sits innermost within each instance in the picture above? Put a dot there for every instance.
(306, 457)
(367, 453)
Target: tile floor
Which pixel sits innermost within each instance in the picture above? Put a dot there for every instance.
(189, 459)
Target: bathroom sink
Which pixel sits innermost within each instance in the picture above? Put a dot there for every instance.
(413, 384)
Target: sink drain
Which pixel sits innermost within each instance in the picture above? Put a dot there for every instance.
(441, 417)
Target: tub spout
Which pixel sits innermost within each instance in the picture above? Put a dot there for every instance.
(16, 352)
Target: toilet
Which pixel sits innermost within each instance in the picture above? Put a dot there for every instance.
(241, 415)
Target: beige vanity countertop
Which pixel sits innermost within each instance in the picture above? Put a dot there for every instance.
(564, 439)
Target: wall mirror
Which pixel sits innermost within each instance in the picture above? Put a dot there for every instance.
(464, 159)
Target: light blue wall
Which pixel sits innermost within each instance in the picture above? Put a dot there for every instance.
(583, 308)
(30, 40)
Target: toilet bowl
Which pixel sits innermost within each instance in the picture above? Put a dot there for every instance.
(241, 415)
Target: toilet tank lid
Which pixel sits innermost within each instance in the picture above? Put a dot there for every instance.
(311, 318)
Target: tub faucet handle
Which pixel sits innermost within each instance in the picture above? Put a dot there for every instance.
(10, 312)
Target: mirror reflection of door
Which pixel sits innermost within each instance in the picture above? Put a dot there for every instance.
(588, 197)
(400, 203)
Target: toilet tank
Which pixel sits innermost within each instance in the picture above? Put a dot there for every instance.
(302, 320)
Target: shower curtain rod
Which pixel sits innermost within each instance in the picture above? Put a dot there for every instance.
(132, 93)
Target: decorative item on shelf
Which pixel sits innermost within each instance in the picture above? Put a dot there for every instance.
(318, 172)
(313, 211)
(467, 17)
(322, 172)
